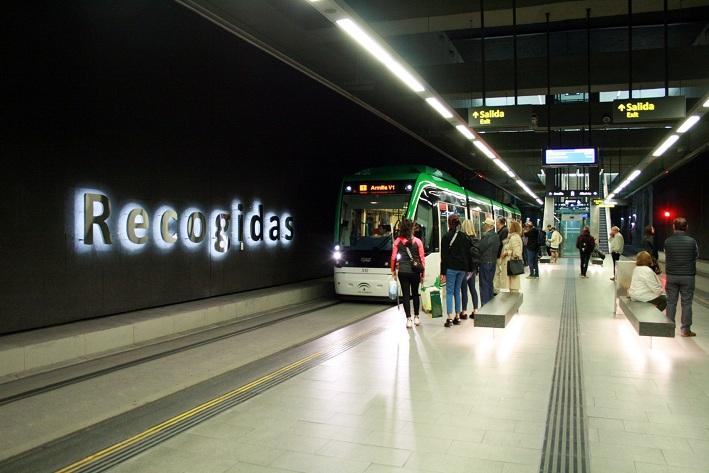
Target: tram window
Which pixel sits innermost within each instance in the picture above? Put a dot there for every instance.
(425, 224)
(367, 222)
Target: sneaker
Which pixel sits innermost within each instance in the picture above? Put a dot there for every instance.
(684, 333)
(456, 321)
(612, 279)
(408, 322)
(417, 321)
(530, 277)
(448, 323)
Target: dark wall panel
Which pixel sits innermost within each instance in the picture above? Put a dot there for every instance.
(155, 106)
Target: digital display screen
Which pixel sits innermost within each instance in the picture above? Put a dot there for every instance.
(570, 157)
(374, 188)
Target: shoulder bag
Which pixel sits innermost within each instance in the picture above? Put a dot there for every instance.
(515, 267)
(415, 262)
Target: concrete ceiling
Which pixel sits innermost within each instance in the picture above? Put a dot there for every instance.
(441, 41)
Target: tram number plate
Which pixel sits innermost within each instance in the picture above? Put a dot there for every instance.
(365, 270)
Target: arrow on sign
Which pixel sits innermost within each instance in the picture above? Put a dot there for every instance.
(621, 107)
(475, 114)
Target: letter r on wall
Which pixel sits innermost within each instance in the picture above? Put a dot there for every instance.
(90, 219)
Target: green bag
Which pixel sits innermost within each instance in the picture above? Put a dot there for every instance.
(436, 307)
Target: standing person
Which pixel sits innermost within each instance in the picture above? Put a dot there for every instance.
(617, 243)
(455, 263)
(555, 244)
(469, 284)
(650, 247)
(549, 232)
(532, 250)
(511, 249)
(489, 245)
(542, 242)
(681, 253)
(502, 233)
(645, 285)
(585, 244)
(408, 261)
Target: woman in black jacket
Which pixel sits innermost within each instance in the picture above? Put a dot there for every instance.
(455, 264)
(585, 243)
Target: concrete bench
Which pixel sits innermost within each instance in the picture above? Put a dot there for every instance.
(545, 259)
(646, 319)
(598, 261)
(498, 311)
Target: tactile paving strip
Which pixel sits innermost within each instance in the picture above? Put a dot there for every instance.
(565, 444)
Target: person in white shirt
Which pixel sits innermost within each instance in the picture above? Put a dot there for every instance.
(645, 285)
(616, 243)
(555, 244)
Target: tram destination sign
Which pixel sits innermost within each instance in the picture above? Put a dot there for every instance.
(378, 188)
(510, 116)
(647, 110)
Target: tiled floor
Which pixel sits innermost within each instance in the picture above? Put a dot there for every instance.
(469, 400)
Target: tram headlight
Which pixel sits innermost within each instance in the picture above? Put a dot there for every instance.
(337, 255)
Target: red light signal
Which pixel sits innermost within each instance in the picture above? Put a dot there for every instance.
(667, 214)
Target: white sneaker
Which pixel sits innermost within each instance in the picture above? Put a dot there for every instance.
(408, 322)
(417, 321)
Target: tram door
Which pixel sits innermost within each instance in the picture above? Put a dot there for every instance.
(570, 229)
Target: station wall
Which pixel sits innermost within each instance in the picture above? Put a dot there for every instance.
(154, 107)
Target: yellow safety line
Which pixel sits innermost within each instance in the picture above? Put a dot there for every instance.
(196, 410)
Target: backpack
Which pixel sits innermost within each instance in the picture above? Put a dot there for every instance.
(413, 256)
(475, 250)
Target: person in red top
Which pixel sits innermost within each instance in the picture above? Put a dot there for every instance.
(408, 261)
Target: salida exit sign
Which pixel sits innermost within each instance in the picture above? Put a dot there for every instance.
(647, 110)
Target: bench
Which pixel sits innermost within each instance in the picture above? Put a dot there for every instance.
(498, 311)
(646, 319)
(545, 259)
(597, 261)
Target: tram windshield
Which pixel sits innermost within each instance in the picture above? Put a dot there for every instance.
(367, 222)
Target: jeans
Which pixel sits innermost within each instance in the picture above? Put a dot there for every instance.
(616, 257)
(487, 273)
(454, 281)
(410, 287)
(532, 261)
(676, 286)
(585, 257)
(469, 284)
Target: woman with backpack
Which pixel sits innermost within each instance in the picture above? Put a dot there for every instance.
(469, 283)
(408, 262)
(586, 244)
(455, 263)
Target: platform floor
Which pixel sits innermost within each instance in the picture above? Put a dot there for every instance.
(467, 399)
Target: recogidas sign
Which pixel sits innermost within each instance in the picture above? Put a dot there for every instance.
(98, 226)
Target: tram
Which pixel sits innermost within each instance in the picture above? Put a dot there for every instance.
(371, 205)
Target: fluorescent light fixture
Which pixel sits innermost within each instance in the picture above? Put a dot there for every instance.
(633, 175)
(510, 173)
(688, 123)
(610, 196)
(465, 132)
(366, 41)
(706, 104)
(439, 107)
(665, 145)
(485, 149)
(501, 165)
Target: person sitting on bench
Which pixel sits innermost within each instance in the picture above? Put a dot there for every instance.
(645, 285)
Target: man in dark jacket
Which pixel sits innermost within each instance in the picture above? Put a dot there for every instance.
(532, 250)
(681, 252)
(502, 232)
(489, 249)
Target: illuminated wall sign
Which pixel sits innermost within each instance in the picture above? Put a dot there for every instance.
(99, 226)
(378, 188)
(598, 201)
(644, 110)
(512, 116)
(572, 193)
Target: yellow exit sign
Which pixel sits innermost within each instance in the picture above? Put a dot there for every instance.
(655, 109)
(510, 116)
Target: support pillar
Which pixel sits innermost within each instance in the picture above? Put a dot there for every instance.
(548, 212)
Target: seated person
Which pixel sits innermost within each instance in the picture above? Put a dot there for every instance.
(645, 285)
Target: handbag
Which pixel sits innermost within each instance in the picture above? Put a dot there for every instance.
(515, 267)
